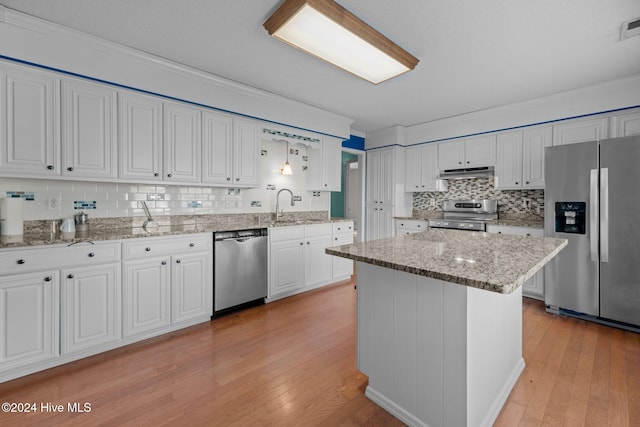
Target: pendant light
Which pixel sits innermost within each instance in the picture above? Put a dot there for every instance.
(286, 169)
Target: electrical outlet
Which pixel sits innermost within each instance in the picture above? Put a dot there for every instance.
(53, 203)
(526, 203)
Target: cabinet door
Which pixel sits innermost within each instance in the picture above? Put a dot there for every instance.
(371, 217)
(90, 307)
(217, 148)
(430, 172)
(246, 153)
(342, 267)
(385, 177)
(286, 266)
(181, 146)
(88, 130)
(331, 165)
(30, 318)
(140, 139)
(146, 296)
(413, 169)
(535, 141)
(480, 151)
(373, 170)
(191, 286)
(581, 131)
(451, 154)
(509, 161)
(29, 128)
(385, 222)
(317, 264)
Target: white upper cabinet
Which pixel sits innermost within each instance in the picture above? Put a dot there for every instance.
(89, 133)
(581, 131)
(217, 148)
(421, 170)
(29, 122)
(181, 147)
(325, 166)
(230, 151)
(626, 124)
(140, 139)
(470, 152)
(520, 158)
(380, 176)
(246, 153)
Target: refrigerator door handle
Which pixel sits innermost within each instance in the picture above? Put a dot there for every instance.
(604, 214)
(593, 215)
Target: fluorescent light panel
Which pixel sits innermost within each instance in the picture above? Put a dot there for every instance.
(360, 50)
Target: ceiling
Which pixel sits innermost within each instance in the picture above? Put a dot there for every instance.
(473, 54)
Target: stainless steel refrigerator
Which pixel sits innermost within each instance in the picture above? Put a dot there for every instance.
(592, 198)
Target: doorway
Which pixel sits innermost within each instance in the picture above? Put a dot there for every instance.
(348, 202)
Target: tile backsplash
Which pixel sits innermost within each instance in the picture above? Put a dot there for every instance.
(55, 199)
(509, 201)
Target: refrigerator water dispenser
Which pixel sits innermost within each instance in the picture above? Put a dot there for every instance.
(571, 217)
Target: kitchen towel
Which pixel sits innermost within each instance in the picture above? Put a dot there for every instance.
(12, 217)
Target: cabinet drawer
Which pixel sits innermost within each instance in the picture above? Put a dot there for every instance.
(515, 231)
(317, 230)
(33, 259)
(343, 227)
(286, 233)
(413, 224)
(154, 246)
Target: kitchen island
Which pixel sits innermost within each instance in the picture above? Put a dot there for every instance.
(440, 321)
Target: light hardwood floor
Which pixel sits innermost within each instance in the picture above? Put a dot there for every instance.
(292, 363)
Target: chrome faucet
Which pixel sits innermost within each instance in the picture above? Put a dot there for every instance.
(293, 202)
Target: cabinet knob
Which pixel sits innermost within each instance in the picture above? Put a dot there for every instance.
(169, 175)
(21, 261)
(147, 249)
(349, 228)
(47, 279)
(459, 163)
(335, 238)
(528, 234)
(191, 245)
(527, 182)
(164, 263)
(237, 179)
(301, 243)
(325, 185)
(50, 167)
(156, 174)
(467, 162)
(516, 182)
(499, 232)
(70, 276)
(308, 243)
(228, 178)
(178, 261)
(70, 169)
(91, 254)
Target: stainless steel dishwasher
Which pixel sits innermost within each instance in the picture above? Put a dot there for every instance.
(240, 269)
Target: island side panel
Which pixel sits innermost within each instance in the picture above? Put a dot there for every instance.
(454, 350)
(494, 352)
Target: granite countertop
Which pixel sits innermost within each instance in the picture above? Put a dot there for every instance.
(493, 262)
(128, 228)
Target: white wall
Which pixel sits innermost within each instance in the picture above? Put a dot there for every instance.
(604, 97)
(122, 200)
(30, 39)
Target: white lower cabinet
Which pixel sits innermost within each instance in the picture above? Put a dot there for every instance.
(29, 322)
(379, 221)
(297, 259)
(90, 307)
(61, 303)
(342, 235)
(167, 281)
(146, 303)
(534, 287)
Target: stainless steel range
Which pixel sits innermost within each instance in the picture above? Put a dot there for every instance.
(466, 214)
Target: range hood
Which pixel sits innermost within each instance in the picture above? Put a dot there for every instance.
(467, 173)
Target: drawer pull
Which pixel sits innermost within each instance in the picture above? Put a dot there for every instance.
(178, 261)
(47, 279)
(147, 249)
(70, 276)
(164, 263)
(91, 254)
(191, 245)
(21, 261)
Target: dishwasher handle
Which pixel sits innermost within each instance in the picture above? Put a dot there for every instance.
(239, 239)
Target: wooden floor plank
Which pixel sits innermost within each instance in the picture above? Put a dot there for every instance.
(292, 363)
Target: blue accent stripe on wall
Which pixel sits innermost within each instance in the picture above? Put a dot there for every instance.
(354, 142)
(70, 73)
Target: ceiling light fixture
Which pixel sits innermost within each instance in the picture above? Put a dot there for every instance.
(325, 29)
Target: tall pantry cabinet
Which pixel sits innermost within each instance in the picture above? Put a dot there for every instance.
(385, 196)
